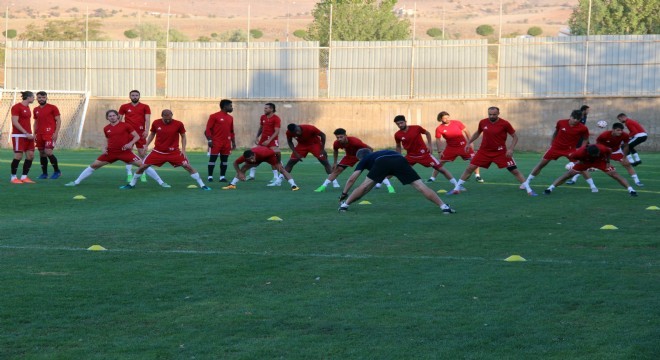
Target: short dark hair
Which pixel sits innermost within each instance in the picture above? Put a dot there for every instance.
(576, 114)
(134, 91)
(399, 118)
(593, 150)
(109, 112)
(26, 94)
(617, 125)
(291, 127)
(441, 114)
(225, 102)
(272, 106)
(584, 107)
(360, 154)
(248, 153)
(494, 108)
(340, 131)
(620, 115)
(42, 93)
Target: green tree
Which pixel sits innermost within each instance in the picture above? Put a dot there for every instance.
(485, 30)
(434, 33)
(301, 34)
(357, 20)
(256, 33)
(233, 36)
(131, 34)
(63, 30)
(203, 38)
(10, 33)
(153, 32)
(534, 31)
(616, 17)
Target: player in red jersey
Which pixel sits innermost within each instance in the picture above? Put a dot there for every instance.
(456, 136)
(309, 139)
(568, 133)
(47, 126)
(617, 140)
(252, 158)
(167, 132)
(591, 156)
(138, 115)
(351, 145)
(637, 136)
(22, 138)
(120, 138)
(268, 135)
(221, 139)
(417, 152)
(493, 149)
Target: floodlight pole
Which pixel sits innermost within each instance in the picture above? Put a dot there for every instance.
(586, 53)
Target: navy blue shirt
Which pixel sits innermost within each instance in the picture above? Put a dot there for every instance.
(368, 161)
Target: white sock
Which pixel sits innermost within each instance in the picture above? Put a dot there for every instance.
(630, 158)
(276, 174)
(635, 177)
(327, 182)
(335, 182)
(630, 189)
(452, 181)
(84, 175)
(387, 182)
(134, 180)
(154, 175)
(527, 188)
(252, 172)
(198, 179)
(551, 187)
(530, 178)
(444, 206)
(292, 183)
(458, 184)
(432, 178)
(590, 182)
(636, 156)
(234, 181)
(129, 169)
(575, 177)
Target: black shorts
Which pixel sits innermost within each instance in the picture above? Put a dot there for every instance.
(393, 165)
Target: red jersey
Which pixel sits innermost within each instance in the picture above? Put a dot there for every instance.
(268, 125)
(494, 135)
(310, 135)
(568, 136)
(44, 119)
(167, 135)
(24, 115)
(634, 127)
(611, 141)
(220, 127)
(118, 135)
(354, 144)
(261, 154)
(582, 155)
(135, 115)
(452, 132)
(412, 140)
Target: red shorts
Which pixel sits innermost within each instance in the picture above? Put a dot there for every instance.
(315, 149)
(21, 143)
(158, 159)
(142, 143)
(44, 141)
(221, 148)
(273, 143)
(426, 160)
(451, 153)
(126, 156)
(617, 156)
(600, 165)
(483, 160)
(348, 161)
(555, 153)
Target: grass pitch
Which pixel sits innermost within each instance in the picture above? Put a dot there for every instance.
(195, 274)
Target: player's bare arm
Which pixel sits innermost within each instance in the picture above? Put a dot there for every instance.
(130, 144)
(429, 142)
(147, 124)
(58, 123)
(514, 142)
(183, 144)
(474, 138)
(349, 183)
(17, 125)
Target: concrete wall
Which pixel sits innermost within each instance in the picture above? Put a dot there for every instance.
(534, 119)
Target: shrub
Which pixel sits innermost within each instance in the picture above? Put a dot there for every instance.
(534, 31)
(485, 30)
(434, 32)
(256, 33)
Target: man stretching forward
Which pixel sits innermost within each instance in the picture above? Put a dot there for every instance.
(252, 158)
(309, 140)
(351, 145)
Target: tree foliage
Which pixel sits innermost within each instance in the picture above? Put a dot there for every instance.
(256, 33)
(301, 34)
(485, 30)
(153, 32)
(10, 33)
(616, 17)
(434, 33)
(63, 30)
(357, 20)
(131, 34)
(534, 31)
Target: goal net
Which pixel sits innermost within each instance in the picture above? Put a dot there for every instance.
(72, 106)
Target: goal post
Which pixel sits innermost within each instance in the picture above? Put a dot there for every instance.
(73, 110)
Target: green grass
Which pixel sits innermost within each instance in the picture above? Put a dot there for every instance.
(191, 274)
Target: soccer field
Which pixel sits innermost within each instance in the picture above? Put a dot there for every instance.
(192, 274)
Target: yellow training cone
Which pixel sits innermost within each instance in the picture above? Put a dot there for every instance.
(441, 191)
(653, 208)
(274, 218)
(364, 202)
(79, 197)
(515, 258)
(192, 186)
(609, 227)
(96, 248)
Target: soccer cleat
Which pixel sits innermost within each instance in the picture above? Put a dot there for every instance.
(209, 179)
(274, 183)
(127, 187)
(320, 189)
(343, 207)
(129, 177)
(378, 186)
(638, 183)
(479, 179)
(547, 191)
(462, 188)
(448, 210)
(294, 188)
(250, 178)
(594, 190)
(205, 188)
(454, 192)
(73, 183)
(27, 180)
(56, 175)
(639, 162)
(43, 176)
(16, 181)
(521, 187)
(143, 177)
(429, 180)
(165, 185)
(532, 193)
(222, 179)
(229, 187)
(390, 189)
(570, 182)
(633, 193)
